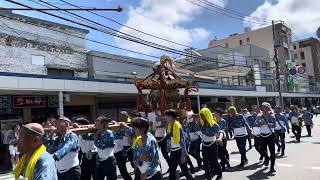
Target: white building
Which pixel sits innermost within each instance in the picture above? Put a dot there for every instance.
(34, 46)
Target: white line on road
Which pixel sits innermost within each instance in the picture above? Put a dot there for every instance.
(284, 165)
(315, 168)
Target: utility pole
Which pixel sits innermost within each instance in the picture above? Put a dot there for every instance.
(277, 63)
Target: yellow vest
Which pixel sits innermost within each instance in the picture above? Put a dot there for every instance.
(176, 131)
(31, 164)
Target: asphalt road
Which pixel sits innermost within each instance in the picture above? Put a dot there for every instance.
(301, 163)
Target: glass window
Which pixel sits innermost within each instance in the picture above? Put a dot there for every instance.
(248, 40)
(295, 56)
(240, 42)
(60, 72)
(302, 55)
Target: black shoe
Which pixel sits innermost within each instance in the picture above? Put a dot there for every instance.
(261, 158)
(272, 170)
(278, 150)
(246, 162)
(282, 154)
(266, 161)
(228, 165)
(241, 165)
(219, 177)
(193, 170)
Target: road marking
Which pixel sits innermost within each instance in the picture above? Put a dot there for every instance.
(315, 168)
(284, 165)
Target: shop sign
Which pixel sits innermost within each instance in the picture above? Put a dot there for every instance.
(28, 101)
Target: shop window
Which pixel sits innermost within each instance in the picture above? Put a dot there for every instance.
(60, 72)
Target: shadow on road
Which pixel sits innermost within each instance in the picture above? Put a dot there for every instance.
(294, 142)
(237, 152)
(261, 175)
(249, 167)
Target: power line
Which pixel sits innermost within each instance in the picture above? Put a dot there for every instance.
(91, 40)
(113, 59)
(222, 13)
(94, 28)
(137, 30)
(190, 64)
(131, 35)
(119, 9)
(230, 11)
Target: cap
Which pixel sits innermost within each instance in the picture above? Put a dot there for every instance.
(266, 104)
(65, 119)
(35, 128)
(125, 113)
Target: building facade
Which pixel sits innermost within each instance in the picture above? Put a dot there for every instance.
(263, 38)
(245, 65)
(307, 55)
(32, 49)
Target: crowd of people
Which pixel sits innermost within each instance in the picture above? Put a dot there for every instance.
(52, 151)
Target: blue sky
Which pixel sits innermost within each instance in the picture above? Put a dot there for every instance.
(184, 22)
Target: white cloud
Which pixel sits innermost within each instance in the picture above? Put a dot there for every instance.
(165, 19)
(302, 16)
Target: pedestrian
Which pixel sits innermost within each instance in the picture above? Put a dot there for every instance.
(120, 153)
(159, 129)
(240, 126)
(295, 120)
(128, 139)
(13, 148)
(66, 150)
(307, 117)
(210, 131)
(176, 146)
(145, 152)
(247, 114)
(36, 163)
(88, 153)
(104, 141)
(281, 128)
(223, 153)
(256, 130)
(194, 135)
(267, 123)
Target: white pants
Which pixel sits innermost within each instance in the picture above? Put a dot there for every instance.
(13, 150)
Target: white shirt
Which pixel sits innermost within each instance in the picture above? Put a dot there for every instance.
(242, 131)
(174, 146)
(265, 129)
(87, 145)
(278, 127)
(104, 154)
(118, 145)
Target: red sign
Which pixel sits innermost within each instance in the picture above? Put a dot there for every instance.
(28, 101)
